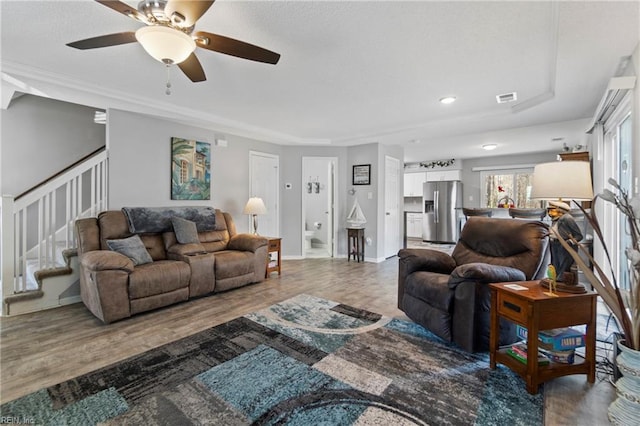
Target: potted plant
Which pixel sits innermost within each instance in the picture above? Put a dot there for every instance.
(623, 303)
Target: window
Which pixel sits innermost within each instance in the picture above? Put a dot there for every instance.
(510, 186)
(184, 171)
(617, 163)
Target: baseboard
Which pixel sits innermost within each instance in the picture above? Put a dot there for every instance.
(70, 300)
(293, 257)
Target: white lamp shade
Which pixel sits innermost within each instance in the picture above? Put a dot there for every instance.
(255, 205)
(569, 180)
(165, 44)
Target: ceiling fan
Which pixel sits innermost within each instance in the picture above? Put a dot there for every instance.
(169, 37)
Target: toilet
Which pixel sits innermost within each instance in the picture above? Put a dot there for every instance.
(308, 235)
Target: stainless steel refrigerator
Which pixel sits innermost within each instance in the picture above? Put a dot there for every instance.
(442, 201)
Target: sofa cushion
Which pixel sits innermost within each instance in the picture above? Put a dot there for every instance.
(157, 278)
(233, 263)
(133, 248)
(154, 245)
(186, 230)
(113, 225)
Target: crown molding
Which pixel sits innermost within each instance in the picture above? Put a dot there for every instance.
(43, 83)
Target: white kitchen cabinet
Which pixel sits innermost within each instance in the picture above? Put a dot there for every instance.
(439, 175)
(414, 225)
(413, 184)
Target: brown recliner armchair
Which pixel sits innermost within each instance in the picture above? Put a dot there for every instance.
(449, 295)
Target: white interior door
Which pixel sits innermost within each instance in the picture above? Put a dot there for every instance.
(264, 182)
(391, 206)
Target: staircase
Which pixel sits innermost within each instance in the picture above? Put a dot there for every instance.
(37, 251)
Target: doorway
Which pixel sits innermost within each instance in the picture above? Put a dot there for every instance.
(264, 178)
(319, 206)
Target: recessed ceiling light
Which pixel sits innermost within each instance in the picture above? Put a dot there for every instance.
(489, 146)
(448, 100)
(415, 141)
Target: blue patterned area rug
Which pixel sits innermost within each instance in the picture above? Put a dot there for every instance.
(304, 361)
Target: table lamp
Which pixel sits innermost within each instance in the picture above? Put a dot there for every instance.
(254, 207)
(559, 182)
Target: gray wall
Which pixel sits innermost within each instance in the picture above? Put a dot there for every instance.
(471, 179)
(358, 155)
(291, 199)
(140, 164)
(42, 136)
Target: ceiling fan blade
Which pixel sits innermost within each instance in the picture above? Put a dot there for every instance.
(186, 12)
(104, 41)
(192, 68)
(124, 8)
(233, 47)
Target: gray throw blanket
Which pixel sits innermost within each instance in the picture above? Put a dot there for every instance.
(158, 219)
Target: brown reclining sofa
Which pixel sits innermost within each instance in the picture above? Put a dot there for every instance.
(114, 286)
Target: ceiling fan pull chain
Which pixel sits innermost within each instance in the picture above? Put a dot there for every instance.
(168, 91)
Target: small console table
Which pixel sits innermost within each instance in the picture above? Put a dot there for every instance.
(274, 246)
(355, 243)
(536, 311)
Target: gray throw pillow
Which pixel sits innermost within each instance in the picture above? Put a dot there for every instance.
(186, 230)
(133, 248)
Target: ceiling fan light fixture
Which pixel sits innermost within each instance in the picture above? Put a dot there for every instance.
(489, 146)
(165, 44)
(448, 100)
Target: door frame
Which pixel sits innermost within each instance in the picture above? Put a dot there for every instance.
(332, 192)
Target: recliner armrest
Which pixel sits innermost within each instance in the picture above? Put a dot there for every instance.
(426, 260)
(484, 273)
(105, 260)
(412, 260)
(246, 242)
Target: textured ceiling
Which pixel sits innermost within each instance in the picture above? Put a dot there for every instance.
(350, 72)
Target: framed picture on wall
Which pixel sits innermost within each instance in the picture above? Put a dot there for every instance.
(190, 169)
(362, 174)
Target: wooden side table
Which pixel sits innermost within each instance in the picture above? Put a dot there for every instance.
(274, 246)
(355, 243)
(532, 309)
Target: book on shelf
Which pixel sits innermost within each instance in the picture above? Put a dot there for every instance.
(557, 339)
(562, 357)
(519, 352)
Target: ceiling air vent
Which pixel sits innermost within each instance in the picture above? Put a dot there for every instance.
(506, 97)
(100, 117)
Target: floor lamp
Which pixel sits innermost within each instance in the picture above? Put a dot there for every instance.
(254, 207)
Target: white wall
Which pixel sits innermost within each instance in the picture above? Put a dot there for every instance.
(42, 136)
(471, 179)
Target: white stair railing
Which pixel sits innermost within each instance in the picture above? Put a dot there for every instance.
(36, 224)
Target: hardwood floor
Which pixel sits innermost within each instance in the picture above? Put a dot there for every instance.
(45, 348)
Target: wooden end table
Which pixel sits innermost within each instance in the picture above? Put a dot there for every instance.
(355, 243)
(274, 246)
(536, 311)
